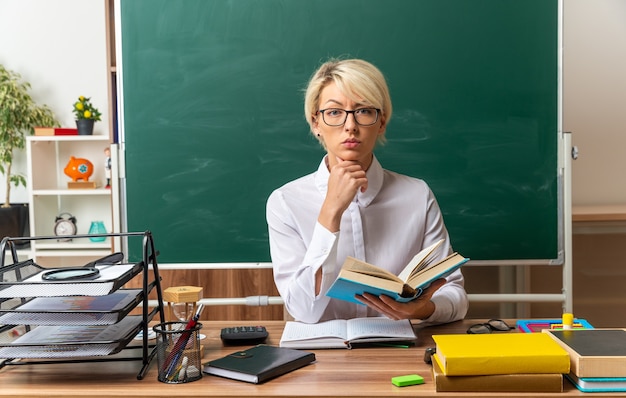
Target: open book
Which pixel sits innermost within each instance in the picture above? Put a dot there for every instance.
(342, 333)
(358, 277)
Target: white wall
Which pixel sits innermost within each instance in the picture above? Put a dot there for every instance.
(594, 104)
(59, 47)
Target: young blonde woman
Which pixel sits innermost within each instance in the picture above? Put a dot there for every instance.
(351, 206)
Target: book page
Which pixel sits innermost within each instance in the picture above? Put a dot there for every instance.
(362, 267)
(421, 260)
(299, 331)
(359, 328)
(439, 270)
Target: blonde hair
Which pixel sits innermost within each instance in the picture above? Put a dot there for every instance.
(359, 80)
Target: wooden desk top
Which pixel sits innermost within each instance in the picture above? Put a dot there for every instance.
(362, 372)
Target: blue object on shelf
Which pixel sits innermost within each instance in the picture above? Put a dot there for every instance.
(97, 227)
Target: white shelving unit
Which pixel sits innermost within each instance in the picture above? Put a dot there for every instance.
(49, 196)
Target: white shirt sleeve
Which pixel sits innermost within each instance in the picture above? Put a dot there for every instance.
(295, 275)
(451, 302)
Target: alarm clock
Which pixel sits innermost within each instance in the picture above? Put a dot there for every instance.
(65, 225)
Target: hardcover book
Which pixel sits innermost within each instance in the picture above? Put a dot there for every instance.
(520, 382)
(357, 277)
(594, 352)
(49, 131)
(598, 384)
(342, 333)
(259, 364)
(500, 353)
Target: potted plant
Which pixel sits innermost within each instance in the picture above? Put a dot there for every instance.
(86, 115)
(19, 115)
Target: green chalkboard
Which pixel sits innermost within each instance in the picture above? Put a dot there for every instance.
(212, 115)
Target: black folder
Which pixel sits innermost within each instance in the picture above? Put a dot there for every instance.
(259, 364)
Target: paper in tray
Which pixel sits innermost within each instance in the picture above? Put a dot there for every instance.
(71, 310)
(24, 280)
(72, 341)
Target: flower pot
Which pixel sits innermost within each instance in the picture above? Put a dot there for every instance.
(14, 223)
(85, 126)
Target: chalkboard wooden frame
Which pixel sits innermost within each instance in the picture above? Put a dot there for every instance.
(212, 120)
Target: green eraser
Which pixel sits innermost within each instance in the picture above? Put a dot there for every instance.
(407, 380)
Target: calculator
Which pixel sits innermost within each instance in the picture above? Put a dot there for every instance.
(244, 335)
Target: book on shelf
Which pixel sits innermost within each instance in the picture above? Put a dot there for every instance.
(73, 310)
(346, 333)
(499, 353)
(72, 341)
(514, 382)
(594, 352)
(598, 384)
(258, 364)
(50, 131)
(357, 277)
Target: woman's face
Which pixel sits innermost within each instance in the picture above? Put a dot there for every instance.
(349, 141)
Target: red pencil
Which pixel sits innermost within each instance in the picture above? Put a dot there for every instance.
(177, 352)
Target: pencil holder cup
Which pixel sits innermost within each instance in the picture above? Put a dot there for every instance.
(178, 352)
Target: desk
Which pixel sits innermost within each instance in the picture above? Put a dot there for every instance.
(363, 372)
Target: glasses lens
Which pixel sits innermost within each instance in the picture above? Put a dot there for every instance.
(366, 116)
(499, 324)
(479, 329)
(334, 117)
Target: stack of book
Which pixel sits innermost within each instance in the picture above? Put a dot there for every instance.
(505, 362)
(598, 357)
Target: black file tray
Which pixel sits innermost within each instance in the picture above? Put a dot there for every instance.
(43, 347)
(101, 310)
(69, 335)
(27, 281)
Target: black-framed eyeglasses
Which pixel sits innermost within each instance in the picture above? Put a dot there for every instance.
(337, 117)
(493, 325)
